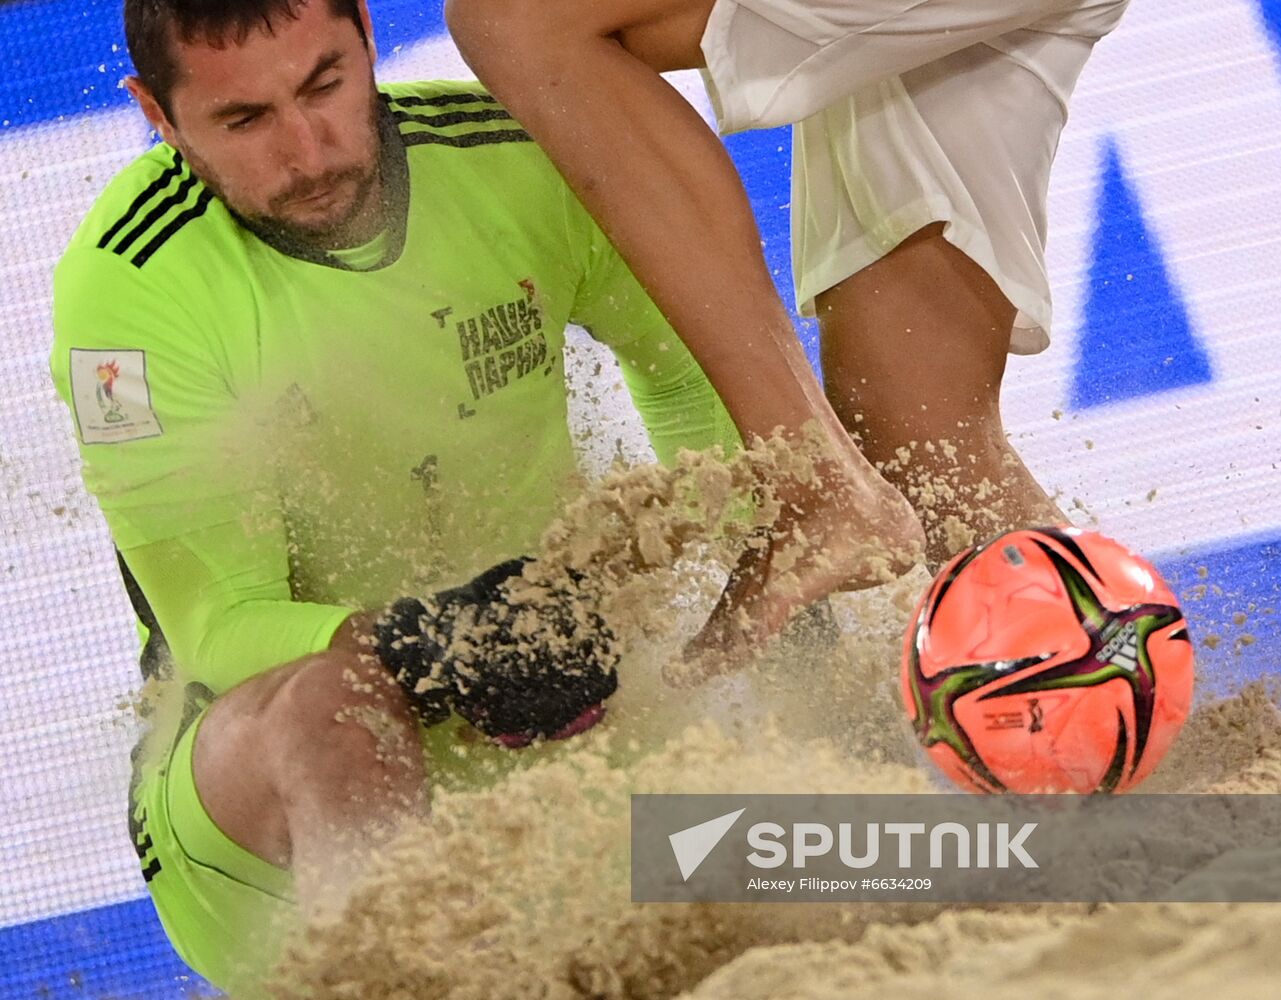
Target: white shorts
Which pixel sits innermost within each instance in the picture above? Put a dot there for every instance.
(910, 112)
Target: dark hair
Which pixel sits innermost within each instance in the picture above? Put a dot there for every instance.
(152, 26)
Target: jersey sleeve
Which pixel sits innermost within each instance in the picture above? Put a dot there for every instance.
(155, 404)
(222, 599)
(676, 402)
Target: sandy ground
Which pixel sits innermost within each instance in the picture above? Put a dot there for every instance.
(522, 890)
(518, 884)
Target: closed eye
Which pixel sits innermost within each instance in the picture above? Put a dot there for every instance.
(242, 123)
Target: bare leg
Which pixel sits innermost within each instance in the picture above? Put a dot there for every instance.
(308, 765)
(914, 349)
(667, 194)
(644, 162)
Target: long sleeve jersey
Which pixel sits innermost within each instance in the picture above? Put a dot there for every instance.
(278, 438)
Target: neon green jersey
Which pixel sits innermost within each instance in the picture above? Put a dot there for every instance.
(278, 438)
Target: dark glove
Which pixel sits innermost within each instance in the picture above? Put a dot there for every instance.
(517, 672)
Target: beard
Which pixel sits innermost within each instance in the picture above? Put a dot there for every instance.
(349, 222)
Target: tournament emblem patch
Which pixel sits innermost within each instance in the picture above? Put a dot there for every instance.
(110, 396)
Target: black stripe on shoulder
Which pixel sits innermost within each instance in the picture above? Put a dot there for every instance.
(158, 211)
(446, 118)
(178, 221)
(466, 140)
(145, 195)
(442, 100)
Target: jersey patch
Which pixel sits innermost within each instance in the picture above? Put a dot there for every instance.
(111, 397)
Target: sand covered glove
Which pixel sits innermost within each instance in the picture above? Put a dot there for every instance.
(539, 665)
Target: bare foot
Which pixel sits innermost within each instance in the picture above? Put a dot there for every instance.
(815, 547)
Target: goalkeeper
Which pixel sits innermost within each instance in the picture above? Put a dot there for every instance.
(312, 346)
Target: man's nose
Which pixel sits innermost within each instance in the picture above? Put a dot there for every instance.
(302, 141)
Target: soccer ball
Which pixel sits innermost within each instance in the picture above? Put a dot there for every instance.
(1048, 660)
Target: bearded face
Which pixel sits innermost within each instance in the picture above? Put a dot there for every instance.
(282, 125)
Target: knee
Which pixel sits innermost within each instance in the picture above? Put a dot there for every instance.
(334, 706)
(495, 32)
(477, 24)
(470, 22)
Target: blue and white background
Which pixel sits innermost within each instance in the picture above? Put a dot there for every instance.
(1156, 412)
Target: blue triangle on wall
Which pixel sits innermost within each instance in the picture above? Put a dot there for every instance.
(1135, 336)
(1270, 10)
